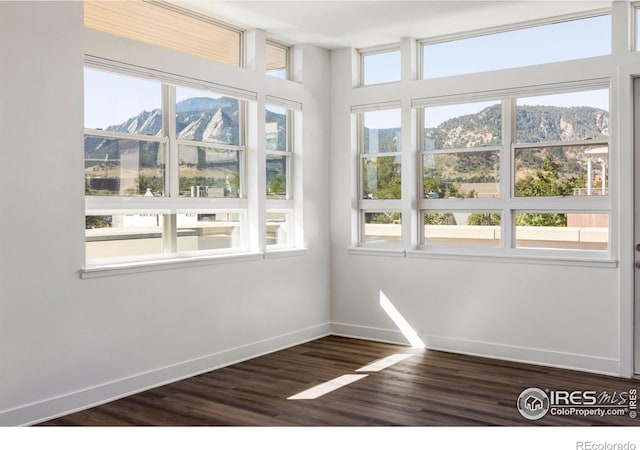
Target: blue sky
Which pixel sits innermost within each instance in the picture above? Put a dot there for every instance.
(111, 99)
(538, 45)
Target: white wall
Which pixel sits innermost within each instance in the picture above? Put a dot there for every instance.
(539, 311)
(67, 342)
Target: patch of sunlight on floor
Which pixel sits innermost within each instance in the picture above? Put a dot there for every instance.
(325, 388)
(383, 363)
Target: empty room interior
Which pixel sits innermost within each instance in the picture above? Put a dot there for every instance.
(318, 213)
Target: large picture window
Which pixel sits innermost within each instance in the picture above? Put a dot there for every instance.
(164, 169)
(526, 173)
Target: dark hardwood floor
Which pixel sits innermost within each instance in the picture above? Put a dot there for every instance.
(428, 388)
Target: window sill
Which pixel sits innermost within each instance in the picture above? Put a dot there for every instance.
(372, 251)
(515, 259)
(126, 268)
(549, 260)
(284, 253)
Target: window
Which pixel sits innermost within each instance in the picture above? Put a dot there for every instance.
(279, 195)
(125, 147)
(461, 159)
(380, 67)
(561, 152)
(164, 169)
(562, 41)
(165, 26)
(208, 139)
(380, 176)
(381, 228)
(277, 60)
(556, 196)
(462, 228)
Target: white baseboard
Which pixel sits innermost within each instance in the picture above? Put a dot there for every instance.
(76, 401)
(585, 363)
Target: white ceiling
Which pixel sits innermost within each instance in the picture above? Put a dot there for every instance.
(360, 24)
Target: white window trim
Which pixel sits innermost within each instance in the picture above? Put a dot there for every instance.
(173, 203)
(372, 205)
(507, 201)
(377, 50)
(421, 43)
(289, 56)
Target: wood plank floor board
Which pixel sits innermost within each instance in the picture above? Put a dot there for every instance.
(427, 388)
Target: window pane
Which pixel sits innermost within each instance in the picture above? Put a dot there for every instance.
(381, 177)
(582, 231)
(207, 117)
(382, 131)
(473, 174)
(208, 172)
(158, 25)
(276, 61)
(563, 41)
(276, 128)
(471, 229)
(463, 126)
(561, 171)
(123, 235)
(381, 67)
(122, 104)
(382, 228)
(210, 231)
(278, 228)
(563, 117)
(123, 167)
(277, 176)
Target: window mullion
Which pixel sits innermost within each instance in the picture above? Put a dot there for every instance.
(169, 224)
(507, 170)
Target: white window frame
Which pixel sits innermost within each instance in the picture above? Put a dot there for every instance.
(284, 205)
(373, 205)
(172, 204)
(508, 204)
(502, 29)
(289, 56)
(378, 50)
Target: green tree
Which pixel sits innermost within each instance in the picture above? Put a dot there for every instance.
(97, 222)
(484, 219)
(548, 182)
(383, 218)
(433, 218)
(277, 185)
(154, 183)
(386, 172)
(234, 180)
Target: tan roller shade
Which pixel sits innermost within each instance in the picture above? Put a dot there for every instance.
(161, 26)
(276, 57)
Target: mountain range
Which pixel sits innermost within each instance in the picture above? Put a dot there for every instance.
(199, 119)
(533, 124)
(217, 121)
